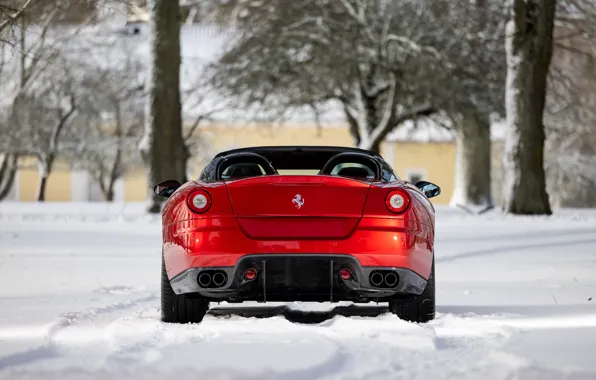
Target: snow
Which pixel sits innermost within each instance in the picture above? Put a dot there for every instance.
(79, 300)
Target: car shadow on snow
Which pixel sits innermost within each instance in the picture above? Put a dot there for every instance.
(373, 311)
(299, 316)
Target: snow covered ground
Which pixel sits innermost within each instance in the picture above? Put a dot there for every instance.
(79, 300)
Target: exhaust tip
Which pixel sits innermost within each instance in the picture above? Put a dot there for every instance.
(204, 279)
(391, 279)
(219, 278)
(376, 278)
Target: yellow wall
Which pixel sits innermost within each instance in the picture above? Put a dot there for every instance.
(223, 137)
(252, 135)
(436, 158)
(136, 186)
(59, 187)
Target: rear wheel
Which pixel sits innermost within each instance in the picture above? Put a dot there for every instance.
(419, 308)
(180, 308)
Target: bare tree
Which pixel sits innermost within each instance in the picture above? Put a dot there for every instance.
(199, 107)
(8, 159)
(14, 14)
(163, 145)
(108, 150)
(8, 171)
(529, 51)
(365, 55)
(41, 104)
(35, 113)
(192, 11)
(10, 15)
(471, 90)
(570, 149)
(42, 117)
(111, 117)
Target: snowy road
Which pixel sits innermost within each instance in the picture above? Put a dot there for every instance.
(79, 300)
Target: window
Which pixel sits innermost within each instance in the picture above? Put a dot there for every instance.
(387, 172)
(243, 165)
(242, 170)
(352, 165)
(348, 169)
(208, 173)
(415, 175)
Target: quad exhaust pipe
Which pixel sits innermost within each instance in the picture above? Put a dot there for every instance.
(376, 278)
(383, 279)
(219, 278)
(212, 279)
(204, 279)
(391, 279)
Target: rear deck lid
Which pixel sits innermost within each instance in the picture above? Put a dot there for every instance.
(297, 207)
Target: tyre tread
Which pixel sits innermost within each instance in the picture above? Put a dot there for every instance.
(179, 308)
(419, 308)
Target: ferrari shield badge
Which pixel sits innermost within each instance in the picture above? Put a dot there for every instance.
(298, 201)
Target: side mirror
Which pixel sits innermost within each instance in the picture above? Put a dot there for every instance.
(429, 189)
(166, 188)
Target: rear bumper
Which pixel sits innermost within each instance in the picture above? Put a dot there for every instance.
(302, 277)
(376, 242)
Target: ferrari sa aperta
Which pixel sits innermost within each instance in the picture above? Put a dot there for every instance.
(282, 224)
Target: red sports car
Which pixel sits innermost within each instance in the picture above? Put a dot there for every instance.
(323, 224)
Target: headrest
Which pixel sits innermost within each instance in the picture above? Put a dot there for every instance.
(354, 172)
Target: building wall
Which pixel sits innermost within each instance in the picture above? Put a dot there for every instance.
(433, 161)
(135, 186)
(59, 186)
(222, 137)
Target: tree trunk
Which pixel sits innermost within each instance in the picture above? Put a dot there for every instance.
(45, 168)
(472, 161)
(8, 171)
(41, 188)
(375, 147)
(370, 119)
(529, 51)
(109, 195)
(167, 153)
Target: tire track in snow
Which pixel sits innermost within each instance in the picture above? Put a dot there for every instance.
(76, 318)
(466, 347)
(51, 348)
(383, 347)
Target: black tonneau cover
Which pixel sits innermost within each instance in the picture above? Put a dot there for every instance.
(298, 157)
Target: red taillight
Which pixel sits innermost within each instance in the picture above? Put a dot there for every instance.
(397, 201)
(199, 201)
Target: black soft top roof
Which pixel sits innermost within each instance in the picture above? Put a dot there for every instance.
(298, 157)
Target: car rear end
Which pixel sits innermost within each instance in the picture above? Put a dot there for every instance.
(298, 238)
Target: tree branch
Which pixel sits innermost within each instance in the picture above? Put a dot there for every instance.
(14, 17)
(385, 123)
(380, 133)
(61, 123)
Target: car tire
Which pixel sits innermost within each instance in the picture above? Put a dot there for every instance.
(180, 308)
(418, 308)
